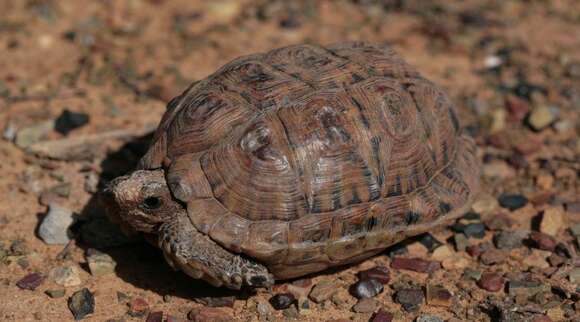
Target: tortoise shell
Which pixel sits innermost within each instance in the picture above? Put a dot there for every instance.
(307, 157)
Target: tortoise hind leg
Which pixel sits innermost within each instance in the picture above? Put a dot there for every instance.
(198, 256)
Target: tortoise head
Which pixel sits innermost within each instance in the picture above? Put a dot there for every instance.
(142, 201)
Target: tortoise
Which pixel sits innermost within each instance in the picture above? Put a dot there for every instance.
(286, 163)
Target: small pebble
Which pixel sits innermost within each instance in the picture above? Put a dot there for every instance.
(492, 256)
(441, 253)
(461, 242)
(66, 276)
(366, 288)
(54, 228)
(491, 282)
(207, 314)
(512, 201)
(365, 305)
(291, 313)
(323, 291)
(100, 263)
(411, 299)
(81, 303)
(430, 242)
(473, 230)
(138, 307)
(543, 241)
(55, 293)
(526, 288)
(455, 263)
(30, 281)
(282, 301)
(68, 121)
(553, 221)
(32, 134)
(438, 295)
(472, 274)
(382, 316)
(509, 239)
(541, 117)
(155, 317)
(218, 301)
(415, 264)
(379, 273)
(429, 318)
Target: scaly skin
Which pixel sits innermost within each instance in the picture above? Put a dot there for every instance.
(142, 202)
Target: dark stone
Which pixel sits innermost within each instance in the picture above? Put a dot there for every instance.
(379, 273)
(396, 250)
(282, 301)
(30, 281)
(382, 316)
(69, 121)
(512, 201)
(472, 230)
(366, 288)
(430, 242)
(155, 317)
(415, 264)
(411, 298)
(81, 303)
(224, 301)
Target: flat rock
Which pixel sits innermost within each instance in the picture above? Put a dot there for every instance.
(365, 305)
(509, 239)
(411, 298)
(209, 314)
(553, 221)
(379, 273)
(455, 263)
(100, 263)
(54, 228)
(381, 316)
(526, 288)
(323, 291)
(66, 276)
(81, 304)
(438, 295)
(32, 134)
(30, 281)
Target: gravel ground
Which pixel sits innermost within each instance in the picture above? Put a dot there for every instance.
(83, 83)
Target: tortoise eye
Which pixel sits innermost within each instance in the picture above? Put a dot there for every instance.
(152, 203)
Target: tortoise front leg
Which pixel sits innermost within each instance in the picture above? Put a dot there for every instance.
(200, 257)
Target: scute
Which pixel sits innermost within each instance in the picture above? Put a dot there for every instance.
(307, 157)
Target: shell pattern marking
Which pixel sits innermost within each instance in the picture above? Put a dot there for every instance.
(309, 151)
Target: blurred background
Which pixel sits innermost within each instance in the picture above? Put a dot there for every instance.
(103, 71)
